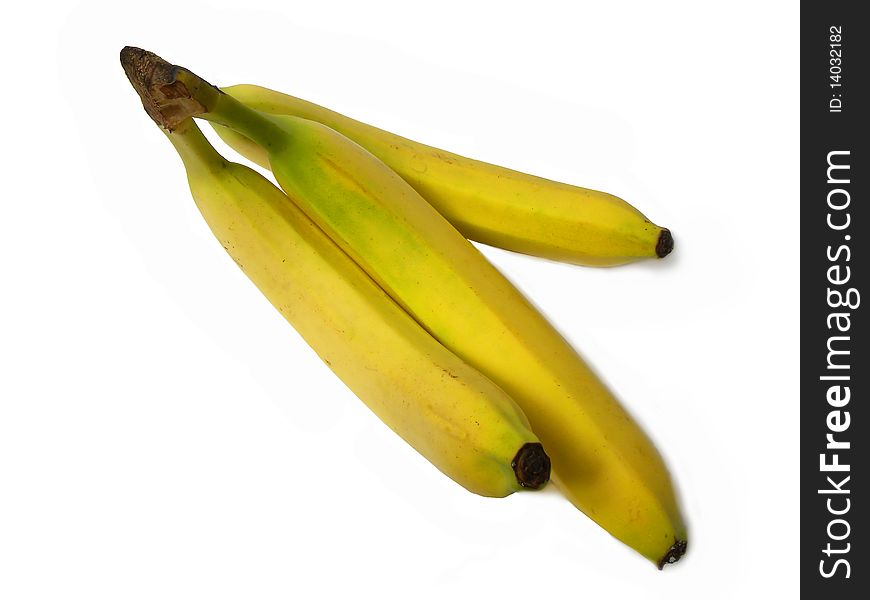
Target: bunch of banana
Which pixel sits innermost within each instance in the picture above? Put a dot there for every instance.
(601, 459)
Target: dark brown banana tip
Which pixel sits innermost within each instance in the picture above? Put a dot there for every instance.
(674, 553)
(532, 466)
(665, 243)
(166, 100)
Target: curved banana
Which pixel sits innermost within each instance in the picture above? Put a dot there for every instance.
(602, 460)
(486, 203)
(454, 416)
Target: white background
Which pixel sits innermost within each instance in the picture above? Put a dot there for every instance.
(165, 434)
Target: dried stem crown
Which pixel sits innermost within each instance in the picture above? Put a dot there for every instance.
(166, 99)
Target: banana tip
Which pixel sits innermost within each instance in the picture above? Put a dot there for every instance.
(532, 466)
(674, 553)
(665, 244)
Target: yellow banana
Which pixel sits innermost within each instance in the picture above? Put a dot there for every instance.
(486, 203)
(453, 415)
(602, 460)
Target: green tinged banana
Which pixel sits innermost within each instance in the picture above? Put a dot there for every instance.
(486, 203)
(449, 412)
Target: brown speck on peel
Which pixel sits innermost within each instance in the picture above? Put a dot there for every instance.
(450, 373)
(531, 466)
(665, 244)
(673, 554)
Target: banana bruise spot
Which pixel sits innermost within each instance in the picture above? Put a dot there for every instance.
(167, 100)
(674, 553)
(531, 466)
(665, 244)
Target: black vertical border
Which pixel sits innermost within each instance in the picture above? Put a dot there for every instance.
(823, 131)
